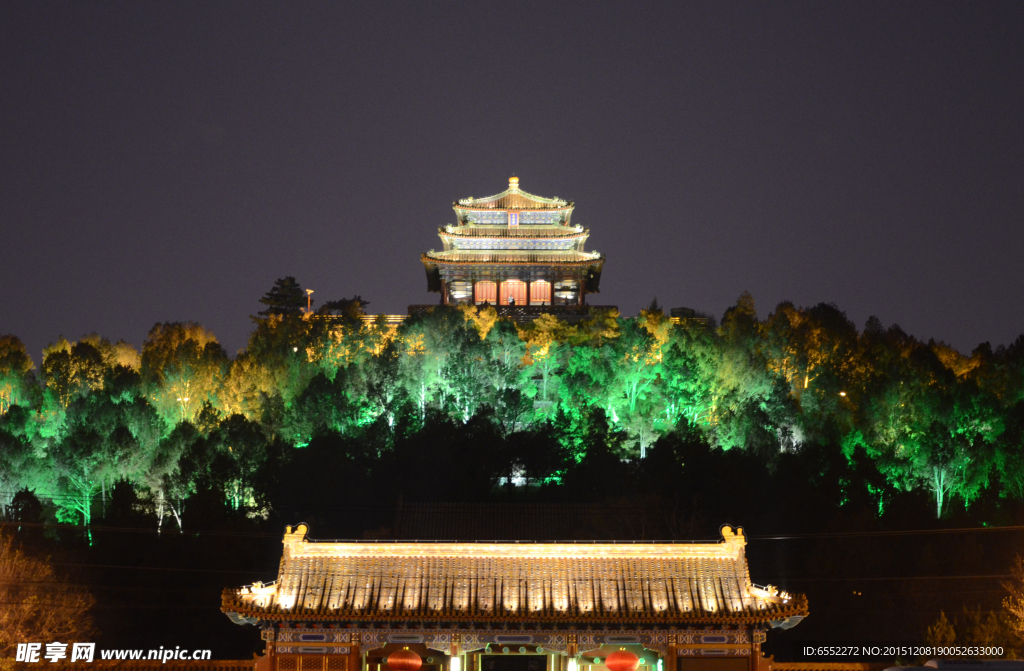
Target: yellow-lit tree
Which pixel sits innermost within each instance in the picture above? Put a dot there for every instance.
(15, 366)
(38, 604)
(544, 338)
(183, 367)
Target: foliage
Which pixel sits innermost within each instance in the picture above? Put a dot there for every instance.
(974, 627)
(284, 298)
(1013, 604)
(39, 604)
(15, 365)
(557, 402)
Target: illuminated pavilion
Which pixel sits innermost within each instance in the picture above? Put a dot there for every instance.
(513, 249)
(348, 606)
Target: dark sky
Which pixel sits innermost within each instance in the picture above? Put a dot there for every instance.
(168, 161)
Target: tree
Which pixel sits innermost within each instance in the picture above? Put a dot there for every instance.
(38, 604)
(169, 480)
(483, 317)
(77, 464)
(286, 297)
(942, 633)
(381, 386)
(637, 363)
(1009, 457)
(115, 354)
(17, 469)
(1013, 603)
(183, 367)
(350, 309)
(689, 371)
(975, 628)
(941, 460)
(15, 367)
(544, 338)
(324, 406)
(425, 366)
(815, 350)
(749, 405)
(240, 454)
(72, 370)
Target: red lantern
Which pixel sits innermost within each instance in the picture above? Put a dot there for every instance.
(622, 660)
(404, 660)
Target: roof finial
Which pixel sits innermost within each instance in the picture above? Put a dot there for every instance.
(513, 183)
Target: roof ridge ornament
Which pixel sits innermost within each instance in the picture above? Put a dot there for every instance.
(293, 537)
(513, 183)
(731, 535)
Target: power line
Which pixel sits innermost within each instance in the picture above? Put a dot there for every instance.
(254, 534)
(147, 530)
(908, 532)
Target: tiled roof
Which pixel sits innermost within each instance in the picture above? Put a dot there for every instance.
(654, 582)
(508, 256)
(513, 199)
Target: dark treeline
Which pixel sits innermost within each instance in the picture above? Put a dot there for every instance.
(799, 423)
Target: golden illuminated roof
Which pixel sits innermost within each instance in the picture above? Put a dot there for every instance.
(658, 582)
(512, 198)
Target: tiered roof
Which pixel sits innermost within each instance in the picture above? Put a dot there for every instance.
(511, 198)
(698, 583)
(513, 228)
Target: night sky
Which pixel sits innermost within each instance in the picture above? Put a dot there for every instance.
(168, 161)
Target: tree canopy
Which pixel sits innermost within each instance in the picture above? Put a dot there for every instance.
(286, 297)
(181, 417)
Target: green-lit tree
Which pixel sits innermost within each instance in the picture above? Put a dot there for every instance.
(77, 467)
(18, 468)
(426, 369)
(240, 456)
(688, 377)
(168, 478)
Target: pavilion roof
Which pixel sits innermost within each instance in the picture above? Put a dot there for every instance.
(479, 582)
(513, 198)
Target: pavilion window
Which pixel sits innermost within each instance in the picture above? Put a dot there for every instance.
(459, 291)
(515, 290)
(486, 292)
(566, 292)
(540, 293)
